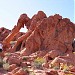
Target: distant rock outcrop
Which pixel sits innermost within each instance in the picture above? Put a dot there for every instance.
(5, 32)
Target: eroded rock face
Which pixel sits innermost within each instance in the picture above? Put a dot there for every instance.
(47, 33)
(52, 33)
(3, 33)
(18, 35)
(35, 20)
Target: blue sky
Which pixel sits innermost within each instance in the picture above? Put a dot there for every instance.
(10, 10)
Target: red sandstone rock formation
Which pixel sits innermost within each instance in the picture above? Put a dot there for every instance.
(52, 33)
(31, 25)
(3, 33)
(21, 21)
(49, 37)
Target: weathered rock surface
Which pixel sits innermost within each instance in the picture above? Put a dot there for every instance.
(52, 33)
(4, 33)
(52, 72)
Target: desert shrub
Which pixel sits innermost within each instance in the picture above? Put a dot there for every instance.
(38, 62)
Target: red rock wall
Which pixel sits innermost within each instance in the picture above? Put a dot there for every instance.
(52, 33)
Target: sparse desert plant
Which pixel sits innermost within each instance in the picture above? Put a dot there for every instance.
(32, 73)
(38, 62)
(65, 67)
(25, 68)
(24, 58)
(5, 59)
(7, 54)
(6, 66)
(55, 66)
